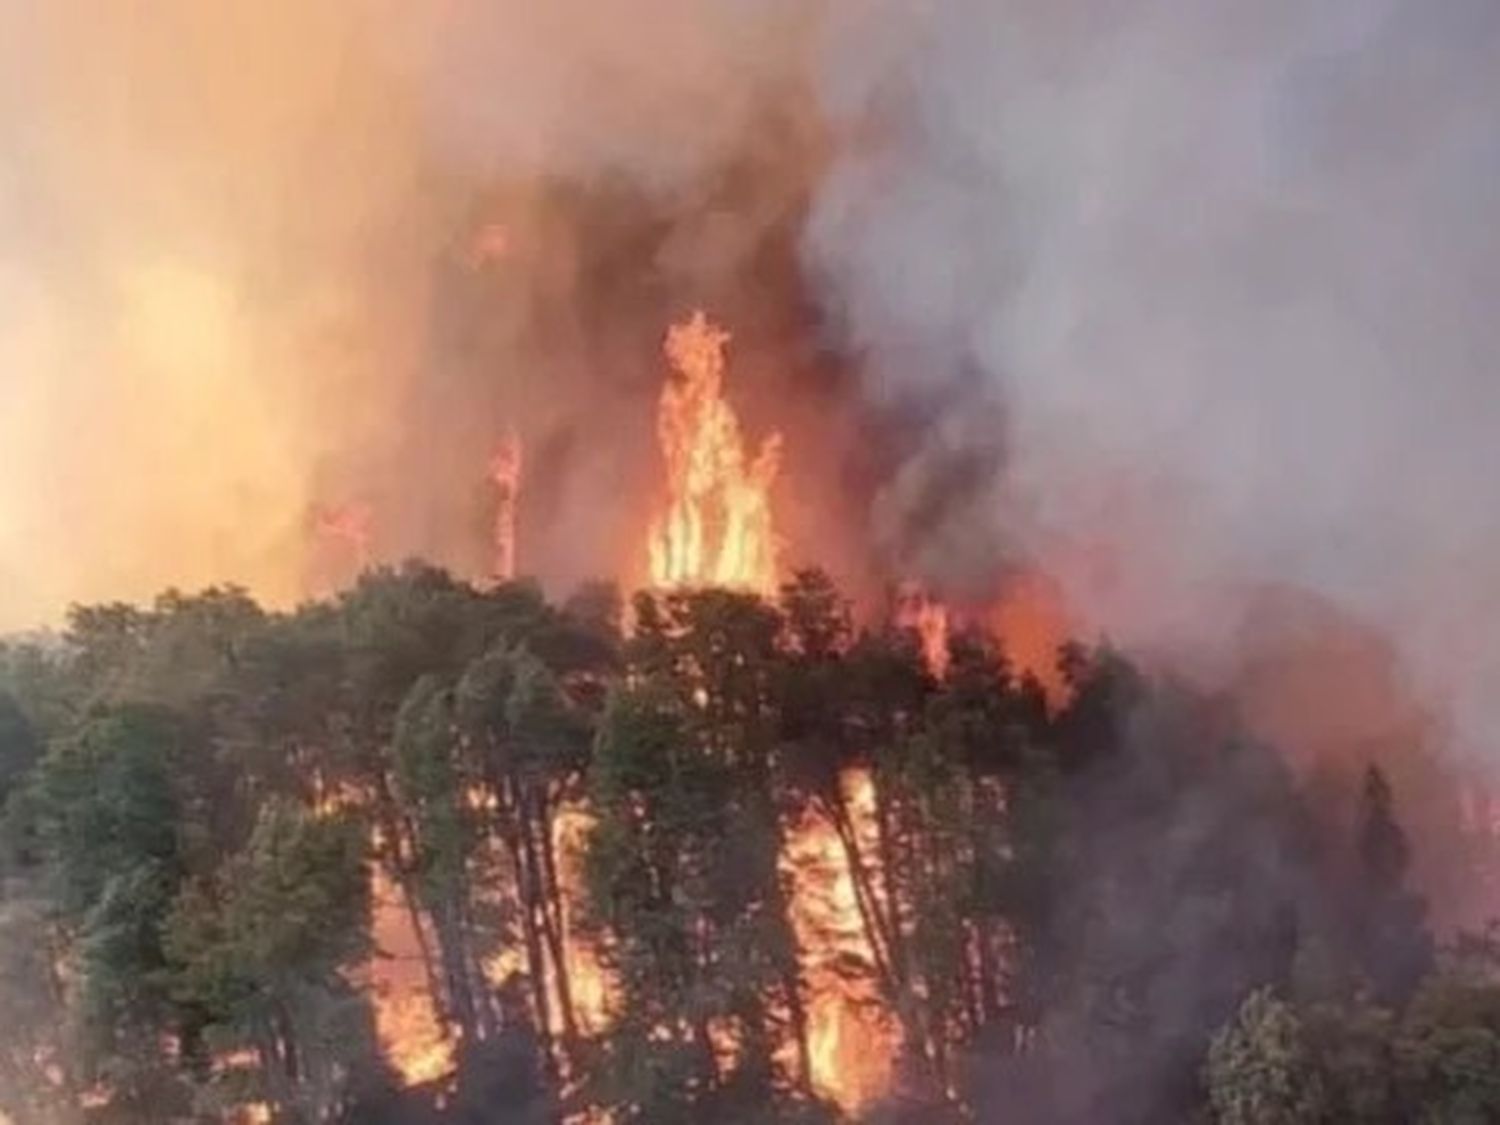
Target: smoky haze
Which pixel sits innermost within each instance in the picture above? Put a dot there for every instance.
(1179, 302)
(230, 239)
(1230, 268)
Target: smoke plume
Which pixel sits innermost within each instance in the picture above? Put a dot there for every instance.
(259, 260)
(1230, 271)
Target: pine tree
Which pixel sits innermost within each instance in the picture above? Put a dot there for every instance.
(1389, 921)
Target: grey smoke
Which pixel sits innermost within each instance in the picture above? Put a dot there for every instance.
(1233, 271)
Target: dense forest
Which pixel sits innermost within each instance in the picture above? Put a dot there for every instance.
(1108, 906)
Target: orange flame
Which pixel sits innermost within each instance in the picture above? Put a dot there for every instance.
(928, 618)
(590, 986)
(505, 472)
(717, 527)
(852, 1039)
(411, 1035)
(593, 990)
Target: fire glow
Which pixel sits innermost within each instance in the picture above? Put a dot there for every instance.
(852, 1038)
(505, 474)
(929, 619)
(716, 527)
(412, 1036)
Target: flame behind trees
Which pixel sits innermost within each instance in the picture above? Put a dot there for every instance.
(747, 857)
(927, 617)
(683, 865)
(835, 974)
(417, 1044)
(483, 761)
(853, 1039)
(824, 929)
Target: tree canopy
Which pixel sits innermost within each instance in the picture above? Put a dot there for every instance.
(1112, 906)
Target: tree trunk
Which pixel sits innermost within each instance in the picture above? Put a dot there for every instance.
(890, 870)
(397, 832)
(451, 948)
(424, 947)
(864, 893)
(554, 917)
(513, 830)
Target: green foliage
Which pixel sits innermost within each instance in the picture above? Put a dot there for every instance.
(32, 1013)
(1354, 1039)
(108, 804)
(1056, 906)
(432, 787)
(293, 908)
(550, 735)
(1261, 1070)
(682, 865)
(261, 954)
(43, 682)
(1447, 1052)
(20, 747)
(1353, 1060)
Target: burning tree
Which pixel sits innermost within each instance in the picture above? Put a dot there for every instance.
(814, 878)
(716, 527)
(683, 867)
(505, 474)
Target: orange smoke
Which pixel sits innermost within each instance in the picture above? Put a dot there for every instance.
(505, 473)
(349, 524)
(1032, 622)
(339, 547)
(492, 243)
(717, 528)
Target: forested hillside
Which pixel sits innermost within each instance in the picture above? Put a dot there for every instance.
(1107, 906)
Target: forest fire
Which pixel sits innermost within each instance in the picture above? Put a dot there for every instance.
(1021, 674)
(412, 1037)
(879, 874)
(591, 991)
(584, 1004)
(1031, 620)
(929, 619)
(852, 1039)
(716, 527)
